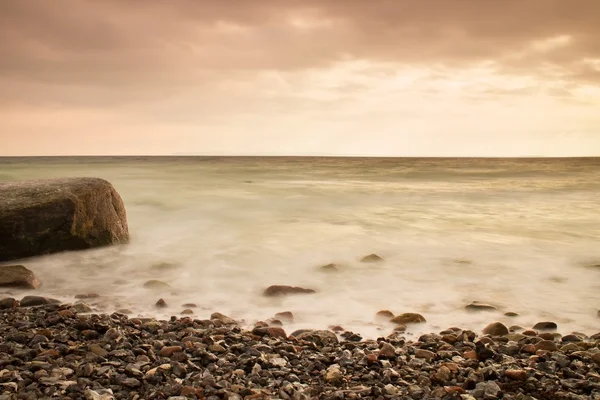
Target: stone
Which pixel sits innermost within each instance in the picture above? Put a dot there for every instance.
(272, 331)
(187, 311)
(17, 276)
(426, 354)
(384, 314)
(32, 301)
(408, 318)
(161, 303)
(8, 303)
(285, 316)
(82, 308)
(168, 351)
(329, 268)
(511, 314)
(387, 350)
(96, 349)
(371, 258)
(223, 318)
(189, 305)
(321, 337)
(284, 290)
(545, 326)
(596, 358)
(443, 374)
(155, 284)
(40, 217)
(495, 329)
(477, 306)
(333, 373)
(547, 345)
(516, 374)
(87, 296)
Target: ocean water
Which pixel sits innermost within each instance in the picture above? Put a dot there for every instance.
(520, 234)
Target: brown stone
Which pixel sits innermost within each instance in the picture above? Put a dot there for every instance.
(17, 276)
(371, 258)
(516, 374)
(546, 335)
(168, 351)
(384, 314)
(8, 303)
(187, 311)
(47, 216)
(471, 355)
(528, 349)
(285, 316)
(284, 290)
(545, 326)
(32, 301)
(495, 329)
(155, 284)
(454, 390)
(450, 338)
(400, 328)
(336, 328)
(161, 303)
(596, 358)
(546, 345)
(477, 306)
(84, 296)
(408, 318)
(426, 354)
(511, 314)
(529, 332)
(329, 268)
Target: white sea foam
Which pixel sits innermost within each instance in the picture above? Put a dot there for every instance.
(516, 234)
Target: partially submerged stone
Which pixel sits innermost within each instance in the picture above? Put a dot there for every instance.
(47, 216)
(495, 329)
(18, 276)
(371, 258)
(478, 306)
(408, 318)
(329, 268)
(284, 290)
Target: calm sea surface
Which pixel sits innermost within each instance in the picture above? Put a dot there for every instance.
(516, 233)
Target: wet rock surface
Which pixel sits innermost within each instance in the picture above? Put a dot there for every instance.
(51, 351)
(52, 215)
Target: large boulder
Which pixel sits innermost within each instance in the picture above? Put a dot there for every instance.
(18, 276)
(48, 216)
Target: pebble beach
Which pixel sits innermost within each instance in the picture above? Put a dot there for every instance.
(50, 351)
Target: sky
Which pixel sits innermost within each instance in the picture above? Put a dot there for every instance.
(300, 77)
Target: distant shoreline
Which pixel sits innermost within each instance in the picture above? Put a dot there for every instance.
(354, 157)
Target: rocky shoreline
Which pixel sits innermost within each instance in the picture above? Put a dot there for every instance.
(52, 351)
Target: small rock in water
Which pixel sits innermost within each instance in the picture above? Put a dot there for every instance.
(408, 318)
(477, 306)
(285, 316)
(495, 329)
(85, 296)
(547, 345)
(161, 303)
(17, 276)
(156, 285)
(124, 311)
(371, 258)
(284, 290)
(187, 311)
(329, 268)
(189, 305)
(545, 326)
(384, 314)
(82, 308)
(511, 314)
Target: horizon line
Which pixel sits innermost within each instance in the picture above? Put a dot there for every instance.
(285, 156)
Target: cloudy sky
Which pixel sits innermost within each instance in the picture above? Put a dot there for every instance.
(300, 77)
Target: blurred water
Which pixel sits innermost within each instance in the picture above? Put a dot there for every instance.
(512, 232)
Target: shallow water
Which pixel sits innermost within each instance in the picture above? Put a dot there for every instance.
(514, 233)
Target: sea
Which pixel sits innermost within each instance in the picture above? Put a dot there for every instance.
(520, 234)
